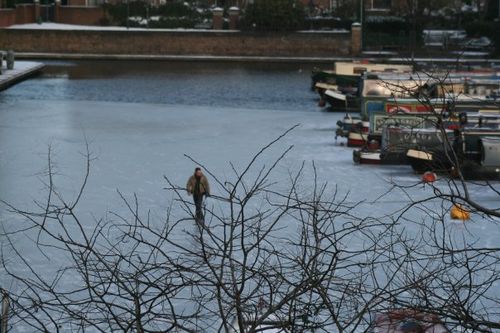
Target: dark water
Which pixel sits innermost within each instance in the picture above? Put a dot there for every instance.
(255, 86)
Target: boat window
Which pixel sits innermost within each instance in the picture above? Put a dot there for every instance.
(359, 70)
(373, 93)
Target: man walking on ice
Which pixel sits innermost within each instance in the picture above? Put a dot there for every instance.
(198, 186)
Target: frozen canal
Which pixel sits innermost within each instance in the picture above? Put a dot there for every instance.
(140, 122)
(140, 119)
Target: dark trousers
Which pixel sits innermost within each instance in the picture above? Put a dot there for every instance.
(198, 203)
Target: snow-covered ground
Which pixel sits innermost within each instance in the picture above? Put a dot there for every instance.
(62, 26)
(21, 69)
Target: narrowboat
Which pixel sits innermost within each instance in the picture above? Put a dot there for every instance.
(372, 129)
(468, 90)
(358, 135)
(348, 73)
(475, 150)
(434, 154)
(346, 79)
(463, 91)
(411, 113)
(397, 141)
(345, 125)
(416, 103)
(366, 156)
(341, 100)
(488, 166)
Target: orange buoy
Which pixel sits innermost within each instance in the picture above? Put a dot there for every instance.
(429, 177)
(459, 213)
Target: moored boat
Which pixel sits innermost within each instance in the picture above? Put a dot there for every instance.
(396, 141)
(348, 73)
(358, 135)
(345, 125)
(340, 87)
(357, 139)
(341, 101)
(488, 167)
(456, 89)
(437, 153)
(423, 160)
(366, 156)
(475, 150)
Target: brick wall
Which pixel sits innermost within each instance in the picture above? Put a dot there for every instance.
(20, 15)
(176, 43)
(77, 2)
(79, 15)
(25, 14)
(7, 17)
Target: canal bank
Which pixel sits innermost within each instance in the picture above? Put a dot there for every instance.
(21, 71)
(256, 59)
(51, 41)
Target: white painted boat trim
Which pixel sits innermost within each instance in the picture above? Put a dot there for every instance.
(370, 156)
(336, 95)
(418, 154)
(322, 85)
(358, 136)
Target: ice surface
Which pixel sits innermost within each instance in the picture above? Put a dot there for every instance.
(136, 144)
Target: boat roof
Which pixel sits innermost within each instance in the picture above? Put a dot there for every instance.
(450, 77)
(491, 82)
(350, 68)
(418, 130)
(491, 139)
(482, 114)
(336, 94)
(323, 85)
(450, 97)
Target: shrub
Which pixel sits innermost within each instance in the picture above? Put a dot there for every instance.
(277, 15)
(480, 28)
(173, 14)
(118, 12)
(389, 24)
(322, 23)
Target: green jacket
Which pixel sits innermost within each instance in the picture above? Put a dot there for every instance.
(204, 186)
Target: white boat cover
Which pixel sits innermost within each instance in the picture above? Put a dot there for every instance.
(336, 94)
